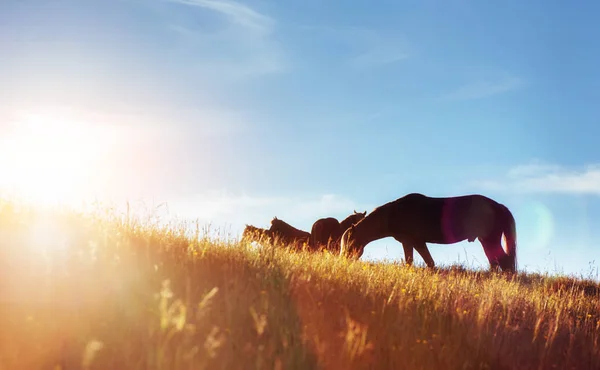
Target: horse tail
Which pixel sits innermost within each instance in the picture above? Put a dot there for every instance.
(311, 238)
(510, 235)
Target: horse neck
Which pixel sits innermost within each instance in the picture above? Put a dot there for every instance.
(290, 228)
(373, 227)
(285, 227)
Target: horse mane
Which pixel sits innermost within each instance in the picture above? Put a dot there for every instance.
(376, 212)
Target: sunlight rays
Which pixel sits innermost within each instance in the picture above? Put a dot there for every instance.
(49, 158)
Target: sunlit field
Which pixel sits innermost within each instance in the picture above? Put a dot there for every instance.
(102, 290)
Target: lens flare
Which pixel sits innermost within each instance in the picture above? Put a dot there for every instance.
(536, 225)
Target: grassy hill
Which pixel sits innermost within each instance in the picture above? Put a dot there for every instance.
(100, 291)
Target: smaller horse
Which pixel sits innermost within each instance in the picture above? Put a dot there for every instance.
(288, 235)
(416, 219)
(256, 234)
(327, 232)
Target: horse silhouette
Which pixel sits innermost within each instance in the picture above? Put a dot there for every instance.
(256, 234)
(416, 219)
(326, 232)
(288, 235)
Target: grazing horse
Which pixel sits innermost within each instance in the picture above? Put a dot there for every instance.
(287, 234)
(256, 234)
(326, 232)
(416, 219)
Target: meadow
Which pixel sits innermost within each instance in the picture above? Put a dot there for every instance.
(101, 289)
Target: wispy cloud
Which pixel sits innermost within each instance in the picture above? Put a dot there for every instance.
(380, 50)
(539, 177)
(242, 45)
(236, 12)
(483, 88)
(366, 48)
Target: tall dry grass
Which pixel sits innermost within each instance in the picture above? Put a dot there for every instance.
(100, 290)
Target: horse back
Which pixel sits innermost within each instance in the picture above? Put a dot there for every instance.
(289, 234)
(443, 220)
(322, 230)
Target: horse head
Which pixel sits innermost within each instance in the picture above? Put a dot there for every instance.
(354, 218)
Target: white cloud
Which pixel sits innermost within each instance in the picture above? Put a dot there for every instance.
(153, 124)
(534, 168)
(241, 46)
(483, 88)
(222, 209)
(547, 178)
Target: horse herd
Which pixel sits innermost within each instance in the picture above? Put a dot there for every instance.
(413, 220)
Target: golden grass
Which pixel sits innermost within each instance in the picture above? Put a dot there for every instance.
(99, 291)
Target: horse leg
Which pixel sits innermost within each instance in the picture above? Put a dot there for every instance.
(493, 251)
(421, 249)
(408, 253)
(424, 252)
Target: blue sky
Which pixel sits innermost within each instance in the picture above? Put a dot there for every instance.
(235, 112)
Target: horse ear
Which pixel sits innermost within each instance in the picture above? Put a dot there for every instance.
(355, 211)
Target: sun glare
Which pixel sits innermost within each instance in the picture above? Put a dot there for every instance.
(46, 158)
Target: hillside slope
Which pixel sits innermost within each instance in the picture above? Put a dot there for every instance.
(100, 291)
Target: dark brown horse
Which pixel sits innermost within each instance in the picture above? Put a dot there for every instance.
(416, 219)
(256, 234)
(326, 232)
(288, 235)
